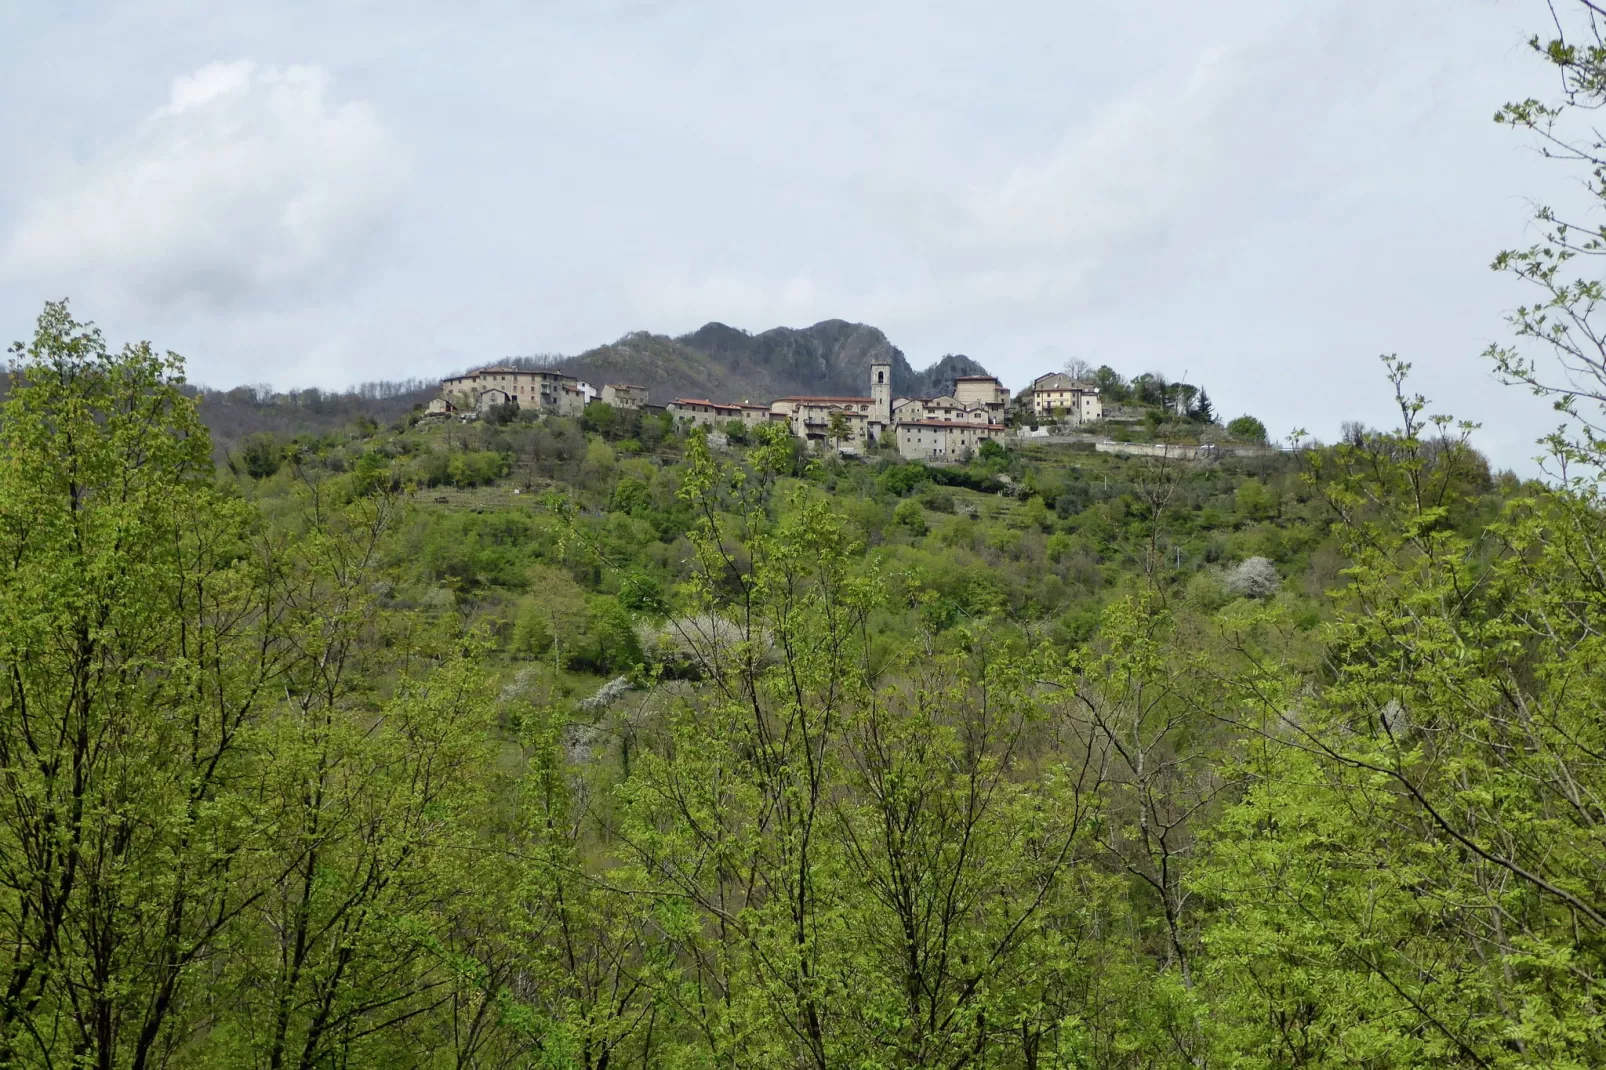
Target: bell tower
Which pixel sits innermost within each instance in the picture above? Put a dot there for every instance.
(881, 392)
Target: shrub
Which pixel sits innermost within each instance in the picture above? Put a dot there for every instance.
(1072, 499)
(937, 499)
(900, 479)
(911, 516)
(607, 640)
(1255, 578)
(473, 468)
(1035, 514)
(641, 594)
(630, 494)
(371, 473)
(600, 418)
(1207, 591)
(260, 455)
(1255, 500)
(557, 612)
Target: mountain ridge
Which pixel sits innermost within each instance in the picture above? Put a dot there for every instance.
(724, 363)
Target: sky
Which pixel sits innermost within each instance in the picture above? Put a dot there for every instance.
(1258, 196)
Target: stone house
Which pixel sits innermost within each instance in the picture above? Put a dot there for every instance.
(624, 395)
(548, 390)
(982, 392)
(943, 440)
(810, 417)
(1057, 396)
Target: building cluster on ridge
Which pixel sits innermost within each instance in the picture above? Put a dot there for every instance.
(937, 428)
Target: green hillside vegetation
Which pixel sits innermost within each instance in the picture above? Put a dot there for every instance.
(529, 742)
(533, 741)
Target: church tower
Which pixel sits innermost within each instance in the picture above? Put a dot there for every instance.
(881, 392)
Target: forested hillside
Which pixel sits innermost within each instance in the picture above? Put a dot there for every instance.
(536, 742)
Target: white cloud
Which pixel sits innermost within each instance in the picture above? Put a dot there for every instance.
(248, 180)
(678, 299)
(1132, 194)
(1137, 163)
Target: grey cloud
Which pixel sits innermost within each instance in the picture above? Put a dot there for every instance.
(248, 180)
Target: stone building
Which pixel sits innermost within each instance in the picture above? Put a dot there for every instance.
(529, 389)
(810, 417)
(983, 392)
(1057, 396)
(940, 408)
(624, 395)
(704, 413)
(943, 440)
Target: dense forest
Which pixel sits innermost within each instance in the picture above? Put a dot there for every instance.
(537, 742)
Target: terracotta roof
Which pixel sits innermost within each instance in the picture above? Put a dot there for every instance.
(505, 369)
(624, 386)
(975, 378)
(855, 401)
(1061, 381)
(950, 423)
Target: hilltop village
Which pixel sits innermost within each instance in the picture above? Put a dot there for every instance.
(947, 427)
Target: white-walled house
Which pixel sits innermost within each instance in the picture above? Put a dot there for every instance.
(1059, 396)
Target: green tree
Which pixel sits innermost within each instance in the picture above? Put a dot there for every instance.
(600, 418)
(139, 653)
(1112, 387)
(910, 515)
(236, 787)
(261, 455)
(1564, 317)
(1247, 429)
(1423, 807)
(839, 430)
(1255, 500)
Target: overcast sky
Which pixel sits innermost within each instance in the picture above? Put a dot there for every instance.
(1259, 195)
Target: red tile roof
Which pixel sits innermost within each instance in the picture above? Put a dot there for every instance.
(832, 401)
(950, 423)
